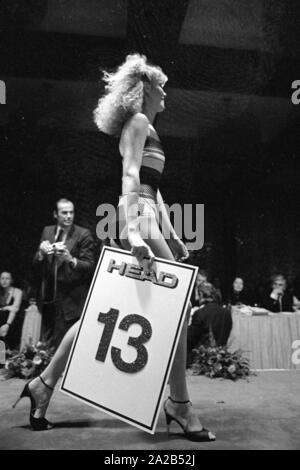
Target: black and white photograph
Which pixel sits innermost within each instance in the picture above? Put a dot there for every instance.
(150, 227)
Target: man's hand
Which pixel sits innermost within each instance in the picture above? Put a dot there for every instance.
(62, 252)
(46, 248)
(276, 293)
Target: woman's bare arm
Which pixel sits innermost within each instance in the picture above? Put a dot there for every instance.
(131, 146)
(15, 307)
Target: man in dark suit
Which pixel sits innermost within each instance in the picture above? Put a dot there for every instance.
(279, 299)
(64, 263)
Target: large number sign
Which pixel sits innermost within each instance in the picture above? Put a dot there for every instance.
(131, 323)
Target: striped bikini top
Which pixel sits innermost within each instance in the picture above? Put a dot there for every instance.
(153, 162)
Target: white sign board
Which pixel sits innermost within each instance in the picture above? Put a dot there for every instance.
(122, 354)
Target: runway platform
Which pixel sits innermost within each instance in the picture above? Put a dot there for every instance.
(263, 413)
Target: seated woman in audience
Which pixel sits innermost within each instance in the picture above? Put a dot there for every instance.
(209, 318)
(10, 302)
(279, 299)
(238, 295)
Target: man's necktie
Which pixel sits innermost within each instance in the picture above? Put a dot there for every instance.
(59, 235)
(52, 278)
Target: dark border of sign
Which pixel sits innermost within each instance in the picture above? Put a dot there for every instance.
(180, 324)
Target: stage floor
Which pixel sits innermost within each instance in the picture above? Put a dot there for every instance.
(263, 413)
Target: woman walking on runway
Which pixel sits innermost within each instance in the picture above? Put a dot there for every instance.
(134, 95)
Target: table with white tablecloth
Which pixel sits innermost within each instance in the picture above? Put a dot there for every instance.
(269, 341)
(31, 330)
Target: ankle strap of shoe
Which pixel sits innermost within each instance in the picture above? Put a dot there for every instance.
(180, 402)
(46, 385)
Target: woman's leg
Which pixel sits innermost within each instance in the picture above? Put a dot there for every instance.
(52, 373)
(152, 235)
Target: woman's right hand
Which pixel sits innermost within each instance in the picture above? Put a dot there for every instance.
(141, 250)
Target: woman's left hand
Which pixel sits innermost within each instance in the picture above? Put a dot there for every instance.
(179, 249)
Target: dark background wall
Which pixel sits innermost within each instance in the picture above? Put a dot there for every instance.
(230, 131)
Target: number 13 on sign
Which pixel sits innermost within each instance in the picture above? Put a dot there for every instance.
(110, 319)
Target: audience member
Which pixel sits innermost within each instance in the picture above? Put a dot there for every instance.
(196, 296)
(296, 293)
(64, 262)
(10, 303)
(278, 299)
(209, 318)
(238, 295)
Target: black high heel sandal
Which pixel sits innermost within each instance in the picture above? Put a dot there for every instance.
(37, 424)
(197, 436)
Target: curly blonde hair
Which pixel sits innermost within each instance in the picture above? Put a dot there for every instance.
(124, 92)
